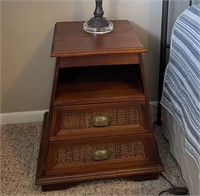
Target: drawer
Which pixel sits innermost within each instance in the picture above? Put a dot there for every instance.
(100, 154)
(80, 120)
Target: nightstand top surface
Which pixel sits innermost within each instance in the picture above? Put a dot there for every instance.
(71, 40)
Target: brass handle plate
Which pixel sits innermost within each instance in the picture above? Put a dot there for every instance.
(100, 155)
(101, 121)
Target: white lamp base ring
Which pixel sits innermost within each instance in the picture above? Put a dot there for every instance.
(99, 30)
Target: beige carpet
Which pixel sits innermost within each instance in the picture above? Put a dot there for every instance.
(19, 152)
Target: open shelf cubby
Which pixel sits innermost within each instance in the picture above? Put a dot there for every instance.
(99, 83)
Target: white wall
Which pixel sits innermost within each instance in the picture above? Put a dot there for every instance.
(27, 30)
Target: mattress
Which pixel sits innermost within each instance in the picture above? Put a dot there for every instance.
(181, 85)
(189, 168)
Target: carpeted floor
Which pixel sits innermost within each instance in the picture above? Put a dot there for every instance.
(19, 153)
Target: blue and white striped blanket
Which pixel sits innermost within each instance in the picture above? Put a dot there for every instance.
(181, 88)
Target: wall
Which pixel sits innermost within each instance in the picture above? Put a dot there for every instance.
(0, 58)
(27, 30)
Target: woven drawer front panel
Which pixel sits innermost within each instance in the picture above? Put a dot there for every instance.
(80, 154)
(78, 120)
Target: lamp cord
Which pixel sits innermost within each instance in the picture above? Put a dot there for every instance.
(167, 180)
(174, 190)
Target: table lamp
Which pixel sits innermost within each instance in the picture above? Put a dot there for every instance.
(98, 24)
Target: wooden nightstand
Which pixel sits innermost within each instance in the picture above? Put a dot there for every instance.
(99, 123)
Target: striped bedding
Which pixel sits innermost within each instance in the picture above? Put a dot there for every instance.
(181, 87)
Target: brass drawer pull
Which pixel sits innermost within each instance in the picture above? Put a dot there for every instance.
(101, 121)
(100, 155)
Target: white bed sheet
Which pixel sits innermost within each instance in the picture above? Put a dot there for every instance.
(188, 165)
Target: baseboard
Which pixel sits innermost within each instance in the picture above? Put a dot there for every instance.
(35, 116)
(153, 103)
(153, 109)
(22, 117)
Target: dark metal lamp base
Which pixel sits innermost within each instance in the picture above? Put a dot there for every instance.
(98, 24)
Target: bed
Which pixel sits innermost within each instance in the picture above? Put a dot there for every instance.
(181, 96)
